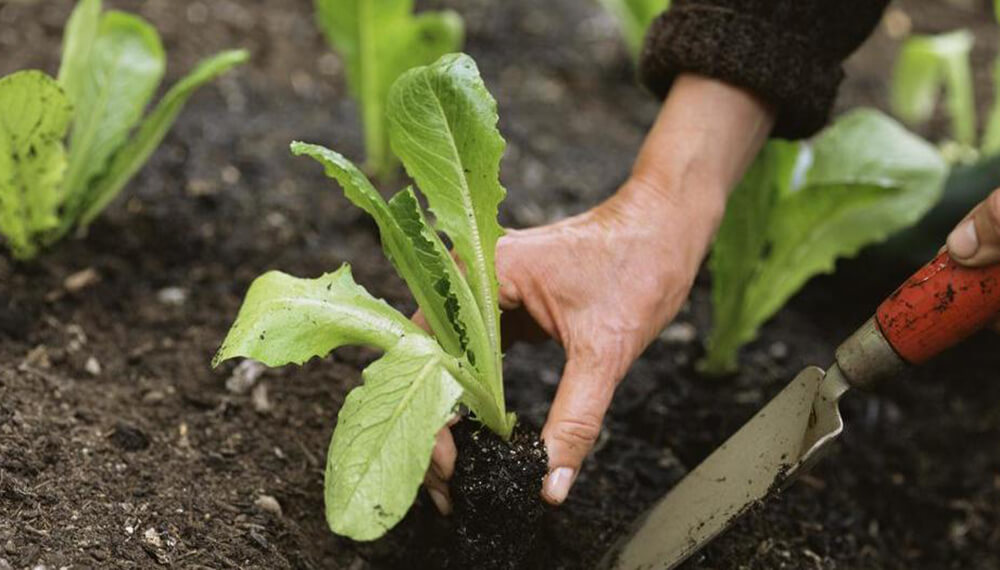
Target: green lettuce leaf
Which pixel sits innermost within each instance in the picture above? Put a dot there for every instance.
(928, 64)
(866, 178)
(78, 43)
(385, 433)
(132, 156)
(443, 125)
(378, 42)
(124, 68)
(634, 18)
(287, 320)
(34, 118)
(991, 137)
(431, 273)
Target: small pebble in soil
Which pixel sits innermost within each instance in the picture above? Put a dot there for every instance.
(268, 504)
(129, 438)
(81, 280)
(92, 366)
(4, 565)
(244, 376)
(37, 357)
(778, 351)
(174, 296)
(679, 333)
(261, 403)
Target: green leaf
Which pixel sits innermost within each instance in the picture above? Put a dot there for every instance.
(78, 42)
(134, 155)
(867, 178)
(378, 42)
(634, 18)
(34, 117)
(287, 320)
(124, 69)
(422, 260)
(443, 126)
(991, 138)
(740, 243)
(382, 444)
(928, 64)
(385, 433)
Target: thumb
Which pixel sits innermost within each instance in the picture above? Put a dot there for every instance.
(574, 422)
(976, 240)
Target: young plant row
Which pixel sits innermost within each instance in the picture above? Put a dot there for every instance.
(112, 63)
(931, 64)
(801, 207)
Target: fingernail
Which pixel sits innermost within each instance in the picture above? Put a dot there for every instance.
(440, 501)
(557, 484)
(963, 241)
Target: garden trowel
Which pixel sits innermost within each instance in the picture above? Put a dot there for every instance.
(938, 307)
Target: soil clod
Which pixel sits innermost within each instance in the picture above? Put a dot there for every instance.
(496, 490)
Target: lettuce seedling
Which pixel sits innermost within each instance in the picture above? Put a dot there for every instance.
(112, 64)
(802, 206)
(634, 18)
(930, 64)
(926, 66)
(378, 41)
(443, 125)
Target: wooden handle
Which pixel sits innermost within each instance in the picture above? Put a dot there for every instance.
(939, 306)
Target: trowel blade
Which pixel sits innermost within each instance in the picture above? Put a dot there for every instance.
(768, 451)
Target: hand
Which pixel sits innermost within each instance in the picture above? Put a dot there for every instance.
(604, 283)
(975, 242)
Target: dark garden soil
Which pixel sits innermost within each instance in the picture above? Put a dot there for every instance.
(121, 448)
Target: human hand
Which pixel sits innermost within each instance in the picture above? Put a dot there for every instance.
(604, 283)
(975, 242)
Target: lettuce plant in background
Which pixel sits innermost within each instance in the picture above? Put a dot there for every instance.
(111, 65)
(378, 41)
(928, 66)
(442, 124)
(634, 18)
(802, 206)
(931, 64)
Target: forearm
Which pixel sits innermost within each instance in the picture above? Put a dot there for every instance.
(704, 139)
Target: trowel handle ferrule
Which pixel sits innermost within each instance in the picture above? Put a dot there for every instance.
(941, 305)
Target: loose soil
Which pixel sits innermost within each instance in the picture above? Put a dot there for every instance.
(121, 448)
(495, 490)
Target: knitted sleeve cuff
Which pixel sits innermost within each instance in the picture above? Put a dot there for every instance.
(748, 52)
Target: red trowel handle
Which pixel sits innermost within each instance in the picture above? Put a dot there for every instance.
(941, 305)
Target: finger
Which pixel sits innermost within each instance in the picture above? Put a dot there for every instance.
(975, 242)
(509, 296)
(574, 423)
(444, 454)
(421, 321)
(437, 489)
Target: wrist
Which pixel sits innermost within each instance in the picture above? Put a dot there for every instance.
(705, 137)
(677, 221)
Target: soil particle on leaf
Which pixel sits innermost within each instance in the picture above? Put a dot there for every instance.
(496, 489)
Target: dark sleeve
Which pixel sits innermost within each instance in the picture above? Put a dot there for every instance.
(790, 52)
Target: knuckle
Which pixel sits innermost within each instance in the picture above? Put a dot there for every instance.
(578, 433)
